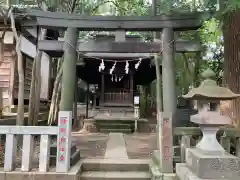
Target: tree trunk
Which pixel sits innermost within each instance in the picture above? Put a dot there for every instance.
(75, 104)
(57, 102)
(158, 85)
(1, 50)
(37, 87)
(1, 60)
(231, 31)
(34, 97)
(31, 105)
(20, 109)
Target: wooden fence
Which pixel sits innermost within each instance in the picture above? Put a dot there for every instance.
(28, 133)
(27, 158)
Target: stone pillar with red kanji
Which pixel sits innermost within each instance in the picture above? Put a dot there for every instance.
(166, 148)
(64, 141)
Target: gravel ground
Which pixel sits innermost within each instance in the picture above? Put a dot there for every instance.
(1, 155)
(91, 145)
(140, 145)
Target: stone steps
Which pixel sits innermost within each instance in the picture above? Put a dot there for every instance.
(115, 125)
(124, 125)
(115, 175)
(108, 130)
(114, 165)
(112, 169)
(107, 126)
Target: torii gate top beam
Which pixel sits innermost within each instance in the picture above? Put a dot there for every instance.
(61, 20)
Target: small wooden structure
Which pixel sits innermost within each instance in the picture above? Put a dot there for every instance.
(9, 73)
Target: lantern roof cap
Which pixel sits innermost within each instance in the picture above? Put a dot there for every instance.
(209, 90)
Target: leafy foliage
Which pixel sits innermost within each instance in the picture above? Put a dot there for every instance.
(210, 34)
(212, 38)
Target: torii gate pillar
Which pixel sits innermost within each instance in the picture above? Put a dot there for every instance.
(69, 70)
(168, 72)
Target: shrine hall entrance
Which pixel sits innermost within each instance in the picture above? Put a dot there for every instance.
(117, 90)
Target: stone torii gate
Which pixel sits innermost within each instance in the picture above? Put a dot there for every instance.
(106, 45)
(74, 23)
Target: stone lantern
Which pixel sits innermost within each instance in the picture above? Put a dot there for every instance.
(209, 160)
(208, 96)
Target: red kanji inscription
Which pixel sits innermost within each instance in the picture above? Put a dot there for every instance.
(167, 152)
(62, 149)
(166, 158)
(165, 123)
(62, 139)
(62, 130)
(64, 121)
(61, 158)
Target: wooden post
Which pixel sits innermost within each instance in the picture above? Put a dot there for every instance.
(102, 88)
(131, 87)
(1, 103)
(87, 100)
(75, 108)
(159, 99)
(94, 100)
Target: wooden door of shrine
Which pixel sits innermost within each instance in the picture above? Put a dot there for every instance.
(117, 90)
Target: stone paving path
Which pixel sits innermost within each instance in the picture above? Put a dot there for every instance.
(116, 145)
(116, 148)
